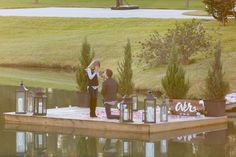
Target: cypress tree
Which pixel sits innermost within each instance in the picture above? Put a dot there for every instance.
(85, 59)
(174, 82)
(126, 84)
(216, 87)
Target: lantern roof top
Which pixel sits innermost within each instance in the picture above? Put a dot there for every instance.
(150, 96)
(22, 88)
(127, 99)
(40, 92)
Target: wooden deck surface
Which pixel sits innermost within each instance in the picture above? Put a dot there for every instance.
(75, 117)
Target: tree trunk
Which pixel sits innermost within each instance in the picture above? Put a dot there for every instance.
(186, 3)
(36, 1)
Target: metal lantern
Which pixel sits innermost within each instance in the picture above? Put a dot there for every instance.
(164, 108)
(40, 103)
(126, 110)
(135, 102)
(21, 143)
(149, 108)
(30, 102)
(21, 99)
(150, 149)
(40, 141)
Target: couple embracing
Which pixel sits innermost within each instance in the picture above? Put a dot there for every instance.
(109, 89)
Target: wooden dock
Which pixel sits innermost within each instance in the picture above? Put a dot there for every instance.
(75, 117)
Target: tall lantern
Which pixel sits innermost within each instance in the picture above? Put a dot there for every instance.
(40, 103)
(30, 102)
(164, 108)
(126, 110)
(21, 99)
(135, 102)
(149, 108)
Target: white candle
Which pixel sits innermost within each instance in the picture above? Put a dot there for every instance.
(20, 105)
(126, 114)
(40, 107)
(150, 115)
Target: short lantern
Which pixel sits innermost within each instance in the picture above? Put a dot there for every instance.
(135, 102)
(149, 108)
(40, 141)
(126, 110)
(40, 103)
(164, 108)
(21, 99)
(30, 102)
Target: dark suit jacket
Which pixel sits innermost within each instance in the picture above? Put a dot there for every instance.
(109, 89)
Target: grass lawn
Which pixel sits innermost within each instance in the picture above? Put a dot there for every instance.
(170, 4)
(57, 41)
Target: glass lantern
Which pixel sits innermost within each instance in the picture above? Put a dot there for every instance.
(40, 103)
(30, 102)
(135, 102)
(126, 110)
(149, 108)
(164, 108)
(21, 99)
(21, 143)
(40, 141)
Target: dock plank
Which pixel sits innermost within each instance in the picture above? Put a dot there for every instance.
(76, 117)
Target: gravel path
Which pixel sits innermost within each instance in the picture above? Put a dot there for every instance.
(99, 13)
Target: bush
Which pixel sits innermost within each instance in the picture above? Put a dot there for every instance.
(125, 82)
(190, 38)
(174, 83)
(216, 87)
(85, 59)
(219, 9)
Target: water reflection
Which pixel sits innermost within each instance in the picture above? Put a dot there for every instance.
(38, 144)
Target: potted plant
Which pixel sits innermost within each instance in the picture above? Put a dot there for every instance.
(85, 58)
(216, 86)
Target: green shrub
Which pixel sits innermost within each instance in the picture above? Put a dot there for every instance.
(174, 82)
(125, 71)
(216, 87)
(189, 37)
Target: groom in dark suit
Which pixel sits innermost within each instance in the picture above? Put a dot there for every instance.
(109, 93)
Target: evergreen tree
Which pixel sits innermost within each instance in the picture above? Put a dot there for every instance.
(216, 87)
(174, 83)
(85, 59)
(126, 85)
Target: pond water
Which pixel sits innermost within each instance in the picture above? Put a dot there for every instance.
(19, 140)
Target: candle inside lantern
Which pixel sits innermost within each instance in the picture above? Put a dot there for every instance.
(150, 115)
(126, 114)
(40, 107)
(20, 105)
